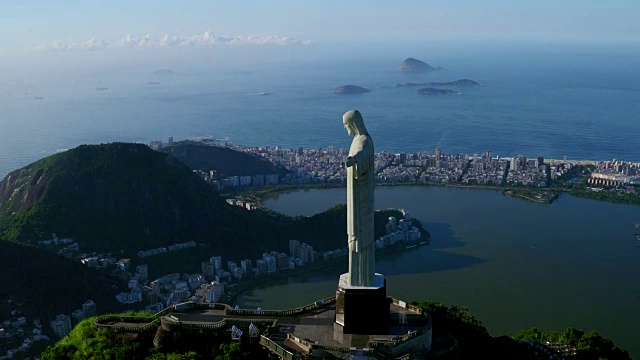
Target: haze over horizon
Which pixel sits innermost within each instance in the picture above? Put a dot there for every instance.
(39, 38)
(39, 25)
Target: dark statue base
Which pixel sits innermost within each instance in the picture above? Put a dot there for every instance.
(362, 310)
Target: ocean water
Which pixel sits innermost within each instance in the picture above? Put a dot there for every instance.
(584, 104)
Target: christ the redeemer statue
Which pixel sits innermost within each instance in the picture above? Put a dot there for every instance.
(360, 202)
(362, 306)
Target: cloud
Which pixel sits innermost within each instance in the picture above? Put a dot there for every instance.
(168, 41)
(91, 44)
(208, 38)
(148, 41)
(130, 41)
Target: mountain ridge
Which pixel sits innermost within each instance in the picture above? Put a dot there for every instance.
(123, 197)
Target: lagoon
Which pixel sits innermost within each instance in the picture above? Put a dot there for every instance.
(514, 263)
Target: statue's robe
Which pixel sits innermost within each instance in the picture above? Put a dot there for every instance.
(360, 207)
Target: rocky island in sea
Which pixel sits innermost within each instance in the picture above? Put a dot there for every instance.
(460, 82)
(164, 72)
(433, 91)
(350, 89)
(412, 65)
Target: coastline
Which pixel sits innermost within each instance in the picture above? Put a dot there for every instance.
(249, 285)
(257, 196)
(552, 193)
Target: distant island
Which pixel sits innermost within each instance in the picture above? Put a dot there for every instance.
(164, 72)
(350, 89)
(433, 91)
(461, 82)
(412, 65)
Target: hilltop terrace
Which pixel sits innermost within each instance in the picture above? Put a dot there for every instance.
(291, 333)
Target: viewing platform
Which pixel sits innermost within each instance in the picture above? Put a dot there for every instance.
(292, 333)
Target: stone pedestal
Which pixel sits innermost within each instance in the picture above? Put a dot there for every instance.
(360, 309)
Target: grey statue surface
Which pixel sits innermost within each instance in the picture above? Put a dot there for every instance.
(360, 202)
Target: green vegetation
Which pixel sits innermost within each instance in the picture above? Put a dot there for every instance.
(88, 342)
(588, 345)
(123, 198)
(473, 341)
(109, 198)
(456, 321)
(30, 276)
(537, 195)
(613, 195)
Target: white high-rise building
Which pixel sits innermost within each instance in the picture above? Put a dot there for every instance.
(89, 308)
(216, 261)
(293, 247)
(77, 316)
(213, 291)
(305, 253)
(271, 264)
(208, 269)
(61, 325)
(261, 264)
(247, 267)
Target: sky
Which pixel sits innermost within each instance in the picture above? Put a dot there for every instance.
(45, 25)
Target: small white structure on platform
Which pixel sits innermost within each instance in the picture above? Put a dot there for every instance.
(236, 333)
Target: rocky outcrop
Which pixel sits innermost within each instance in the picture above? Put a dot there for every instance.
(461, 82)
(432, 91)
(414, 65)
(350, 89)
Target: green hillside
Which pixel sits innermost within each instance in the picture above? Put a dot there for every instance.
(122, 197)
(42, 284)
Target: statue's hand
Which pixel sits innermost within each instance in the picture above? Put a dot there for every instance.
(350, 161)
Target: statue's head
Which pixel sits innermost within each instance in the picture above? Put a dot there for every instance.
(354, 123)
